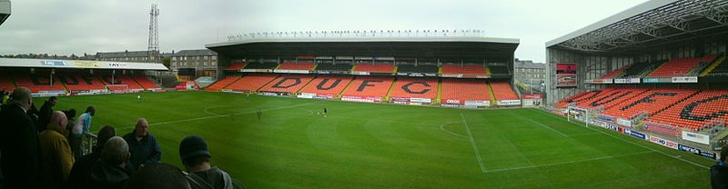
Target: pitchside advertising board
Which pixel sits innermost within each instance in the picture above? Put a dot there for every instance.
(696, 137)
(664, 142)
(566, 75)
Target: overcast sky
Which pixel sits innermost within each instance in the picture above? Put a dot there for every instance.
(90, 26)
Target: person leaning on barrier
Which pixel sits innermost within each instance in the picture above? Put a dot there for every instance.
(719, 171)
(83, 125)
(57, 157)
(201, 175)
(19, 143)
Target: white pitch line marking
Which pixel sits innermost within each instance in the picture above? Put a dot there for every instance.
(220, 115)
(645, 147)
(568, 162)
(472, 143)
(442, 127)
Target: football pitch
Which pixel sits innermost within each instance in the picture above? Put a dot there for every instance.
(364, 145)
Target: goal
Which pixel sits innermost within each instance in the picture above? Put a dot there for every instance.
(118, 88)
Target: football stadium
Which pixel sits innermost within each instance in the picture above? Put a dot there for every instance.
(636, 100)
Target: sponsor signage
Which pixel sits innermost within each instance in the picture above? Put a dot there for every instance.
(693, 79)
(635, 134)
(624, 122)
(477, 103)
(663, 142)
(53, 63)
(531, 96)
(620, 80)
(650, 80)
(696, 137)
(452, 101)
(421, 100)
(606, 118)
(633, 80)
(86, 64)
(361, 99)
(116, 64)
(306, 95)
(509, 102)
(292, 71)
(696, 151)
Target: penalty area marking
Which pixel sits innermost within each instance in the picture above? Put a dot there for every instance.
(568, 162)
(442, 127)
(220, 115)
(472, 143)
(630, 142)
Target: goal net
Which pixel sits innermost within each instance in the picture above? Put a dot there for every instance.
(118, 88)
(580, 114)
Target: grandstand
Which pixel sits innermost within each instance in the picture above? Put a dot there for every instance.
(64, 77)
(648, 79)
(402, 70)
(4, 10)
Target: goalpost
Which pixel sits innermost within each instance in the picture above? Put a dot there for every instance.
(119, 87)
(581, 114)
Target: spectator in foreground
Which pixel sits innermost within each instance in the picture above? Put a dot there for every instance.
(19, 143)
(57, 157)
(196, 159)
(110, 172)
(142, 145)
(46, 110)
(82, 167)
(719, 171)
(158, 176)
(83, 125)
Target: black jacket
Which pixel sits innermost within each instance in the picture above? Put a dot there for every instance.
(104, 175)
(44, 116)
(82, 168)
(719, 176)
(145, 151)
(20, 146)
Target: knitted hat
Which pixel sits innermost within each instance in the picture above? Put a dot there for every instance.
(193, 146)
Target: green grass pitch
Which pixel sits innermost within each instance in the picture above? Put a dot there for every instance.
(364, 145)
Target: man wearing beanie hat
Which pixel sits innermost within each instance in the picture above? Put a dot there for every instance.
(196, 159)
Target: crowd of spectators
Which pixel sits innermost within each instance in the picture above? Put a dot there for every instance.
(43, 149)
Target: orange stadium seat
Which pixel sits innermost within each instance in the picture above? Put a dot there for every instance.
(222, 83)
(415, 88)
(327, 85)
(650, 102)
(680, 66)
(503, 91)
(697, 111)
(611, 98)
(369, 87)
(38, 82)
(374, 68)
(468, 71)
(296, 66)
(251, 82)
(461, 90)
(6, 83)
(287, 83)
(235, 66)
(76, 82)
(614, 73)
(120, 79)
(145, 82)
(583, 96)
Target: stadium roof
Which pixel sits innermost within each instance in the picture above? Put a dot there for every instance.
(651, 26)
(78, 64)
(4, 10)
(473, 48)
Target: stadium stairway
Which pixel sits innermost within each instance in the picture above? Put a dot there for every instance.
(221, 84)
(715, 64)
